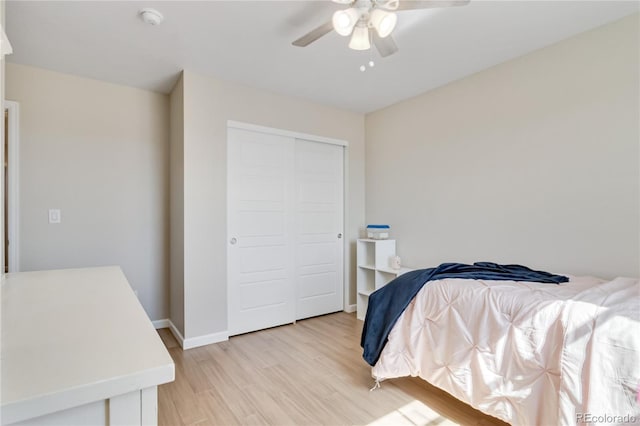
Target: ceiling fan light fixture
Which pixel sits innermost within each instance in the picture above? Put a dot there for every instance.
(344, 20)
(384, 22)
(360, 38)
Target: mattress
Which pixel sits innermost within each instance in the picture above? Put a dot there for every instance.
(527, 353)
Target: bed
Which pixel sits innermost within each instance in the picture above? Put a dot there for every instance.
(525, 352)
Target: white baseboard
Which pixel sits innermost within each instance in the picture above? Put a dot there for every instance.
(163, 323)
(176, 333)
(207, 339)
(194, 342)
(350, 308)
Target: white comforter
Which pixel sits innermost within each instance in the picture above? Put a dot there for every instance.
(527, 353)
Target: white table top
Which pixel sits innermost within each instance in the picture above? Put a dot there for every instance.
(75, 336)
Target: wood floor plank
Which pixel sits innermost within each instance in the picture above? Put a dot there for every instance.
(168, 414)
(167, 338)
(216, 410)
(180, 391)
(308, 373)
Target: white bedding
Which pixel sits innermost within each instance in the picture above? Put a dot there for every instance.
(527, 353)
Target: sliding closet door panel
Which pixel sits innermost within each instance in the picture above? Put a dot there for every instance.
(319, 226)
(260, 233)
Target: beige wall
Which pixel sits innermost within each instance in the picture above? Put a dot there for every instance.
(533, 161)
(208, 104)
(99, 152)
(176, 206)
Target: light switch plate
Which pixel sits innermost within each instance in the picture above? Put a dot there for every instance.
(54, 216)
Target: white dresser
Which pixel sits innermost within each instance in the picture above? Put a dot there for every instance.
(78, 348)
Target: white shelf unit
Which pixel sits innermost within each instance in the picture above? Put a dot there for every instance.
(374, 270)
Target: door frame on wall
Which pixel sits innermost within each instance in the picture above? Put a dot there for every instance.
(13, 194)
(346, 249)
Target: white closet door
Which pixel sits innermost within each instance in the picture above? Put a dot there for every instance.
(260, 233)
(319, 216)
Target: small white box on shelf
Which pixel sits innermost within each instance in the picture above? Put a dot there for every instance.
(378, 232)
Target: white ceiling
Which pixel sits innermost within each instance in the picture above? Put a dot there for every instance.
(250, 42)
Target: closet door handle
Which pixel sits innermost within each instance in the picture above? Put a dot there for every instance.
(233, 240)
(339, 235)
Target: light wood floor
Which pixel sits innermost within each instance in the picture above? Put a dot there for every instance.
(310, 373)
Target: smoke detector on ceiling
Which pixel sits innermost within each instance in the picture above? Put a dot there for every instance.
(151, 16)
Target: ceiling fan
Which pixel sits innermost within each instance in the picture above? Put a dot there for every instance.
(370, 20)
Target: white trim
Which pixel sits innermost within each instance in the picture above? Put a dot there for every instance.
(289, 133)
(176, 333)
(162, 323)
(226, 224)
(13, 185)
(350, 308)
(346, 249)
(194, 342)
(5, 45)
(207, 339)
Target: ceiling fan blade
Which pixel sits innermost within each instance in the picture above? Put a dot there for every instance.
(429, 4)
(313, 35)
(386, 46)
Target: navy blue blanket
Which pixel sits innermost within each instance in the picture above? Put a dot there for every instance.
(387, 303)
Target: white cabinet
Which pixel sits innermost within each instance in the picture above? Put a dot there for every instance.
(374, 269)
(80, 350)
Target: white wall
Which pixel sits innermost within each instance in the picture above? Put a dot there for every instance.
(208, 104)
(176, 206)
(99, 152)
(534, 161)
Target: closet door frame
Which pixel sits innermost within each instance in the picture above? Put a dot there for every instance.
(312, 138)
